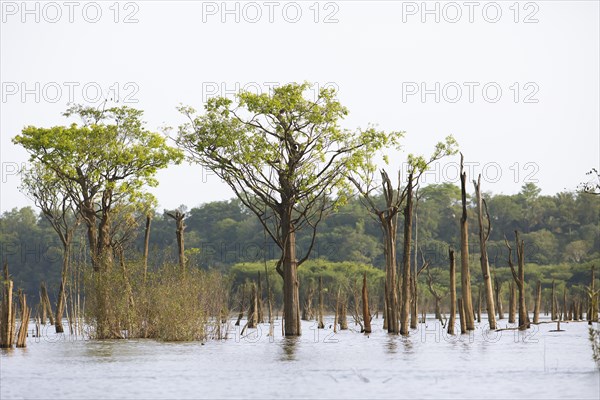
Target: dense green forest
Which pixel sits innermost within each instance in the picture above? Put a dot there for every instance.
(561, 234)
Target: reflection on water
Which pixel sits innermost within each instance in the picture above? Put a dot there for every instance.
(392, 344)
(288, 345)
(426, 364)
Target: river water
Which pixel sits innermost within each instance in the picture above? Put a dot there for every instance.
(321, 364)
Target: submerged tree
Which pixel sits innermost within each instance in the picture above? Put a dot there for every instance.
(519, 278)
(103, 168)
(286, 158)
(465, 274)
(485, 265)
(397, 198)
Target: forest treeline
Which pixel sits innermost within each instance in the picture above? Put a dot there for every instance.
(561, 234)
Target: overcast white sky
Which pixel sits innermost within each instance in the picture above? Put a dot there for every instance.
(543, 56)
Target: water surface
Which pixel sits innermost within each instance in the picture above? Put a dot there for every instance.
(320, 364)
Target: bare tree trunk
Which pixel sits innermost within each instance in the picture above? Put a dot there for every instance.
(593, 300)
(512, 303)
(337, 308)
(25, 313)
(452, 320)
(307, 313)
(60, 301)
(385, 309)
(519, 279)
(538, 303)
(178, 216)
(291, 285)
(497, 291)
(7, 328)
(553, 312)
(321, 323)
(485, 265)
(389, 225)
(571, 311)
(463, 323)
(343, 320)
(146, 244)
(414, 317)
(464, 254)
(365, 304)
(479, 305)
(406, 279)
(259, 302)
(252, 311)
(46, 302)
(564, 312)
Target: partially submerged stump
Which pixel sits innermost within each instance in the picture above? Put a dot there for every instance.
(25, 314)
(365, 303)
(7, 314)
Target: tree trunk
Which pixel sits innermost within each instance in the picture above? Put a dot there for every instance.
(25, 312)
(523, 315)
(463, 323)
(485, 265)
(60, 301)
(146, 244)
(479, 305)
(564, 309)
(88, 214)
(252, 311)
(497, 292)
(389, 229)
(46, 302)
(593, 300)
(385, 308)
(553, 312)
(414, 317)
(307, 312)
(7, 328)
(365, 304)
(464, 254)
(321, 323)
(406, 279)
(337, 308)
(452, 319)
(343, 320)
(512, 303)
(291, 297)
(105, 254)
(259, 302)
(538, 303)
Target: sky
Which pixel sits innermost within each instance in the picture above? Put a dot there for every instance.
(516, 83)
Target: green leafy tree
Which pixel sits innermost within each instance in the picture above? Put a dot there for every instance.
(286, 158)
(108, 159)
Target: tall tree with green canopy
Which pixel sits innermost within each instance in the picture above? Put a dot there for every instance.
(286, 158)
(107, 159)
